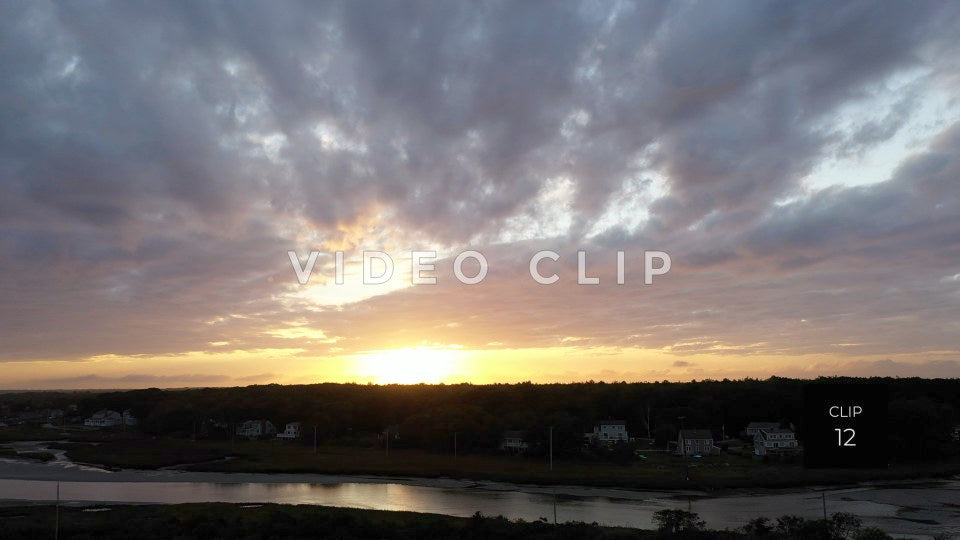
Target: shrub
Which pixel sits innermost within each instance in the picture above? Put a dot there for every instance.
(872, 533)
(678, 521)
(758, 527)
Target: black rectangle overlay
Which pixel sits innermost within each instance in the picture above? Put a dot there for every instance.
(844, 425)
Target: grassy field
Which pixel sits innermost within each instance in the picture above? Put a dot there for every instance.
(36, 456)
(72, 433)
(141, 453)
(214, 521)
(658, 471)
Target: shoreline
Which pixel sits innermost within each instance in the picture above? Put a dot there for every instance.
(891, 506)
(729, 474)
(32, 471)
(65, 469)
(11, 469)
(230, 520)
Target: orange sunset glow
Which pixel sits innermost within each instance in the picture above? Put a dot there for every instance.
(173, 201)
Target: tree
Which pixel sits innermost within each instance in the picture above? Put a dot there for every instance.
(758, 527)
(678, 521)
(843, 525)
(646, 419)
(838, 527)
(872, 533)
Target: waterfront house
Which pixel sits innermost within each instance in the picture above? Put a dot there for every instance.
(754, 427)
(696, 442)
(290, 431)
(514, 441)
(609, 432)
(774, 441)
(254, 429)
(104, 418)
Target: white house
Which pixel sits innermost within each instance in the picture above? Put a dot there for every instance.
(254, 429)
(290, 431)
(128, 418)
(754, 427)
(104, 418)
(696, 442)
(772, 441)
(514, 441)
(609, 432)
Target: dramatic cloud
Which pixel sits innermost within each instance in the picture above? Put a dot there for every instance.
(139, 379)
(800, 161)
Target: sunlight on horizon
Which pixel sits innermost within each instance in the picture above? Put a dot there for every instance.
(408, 366)
(443, 364)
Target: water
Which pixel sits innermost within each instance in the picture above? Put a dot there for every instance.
(914, 509)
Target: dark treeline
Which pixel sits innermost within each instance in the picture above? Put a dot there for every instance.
(922, 412)
(271, 521)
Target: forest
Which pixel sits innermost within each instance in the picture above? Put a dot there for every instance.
(271, 521)
(922, 413)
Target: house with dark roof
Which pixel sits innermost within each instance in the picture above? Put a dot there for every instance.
(609, 432)
(514, 441)
(290, 432)
(104, 418)
(254, 429)
(696, 442)
(775, 441)
(754, 427)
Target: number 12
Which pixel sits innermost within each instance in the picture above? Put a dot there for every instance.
(849, 441)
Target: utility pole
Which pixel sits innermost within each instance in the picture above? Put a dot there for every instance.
(683, 452)
(649, 431)
(56, 524)
(551, 457)
(314, 439)
(823, 497)
(554, 508)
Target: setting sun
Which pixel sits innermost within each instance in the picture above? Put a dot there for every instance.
(407, 366)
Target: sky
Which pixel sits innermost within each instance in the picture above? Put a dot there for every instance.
(798, 161)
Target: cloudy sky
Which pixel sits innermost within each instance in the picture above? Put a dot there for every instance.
(799, 161)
